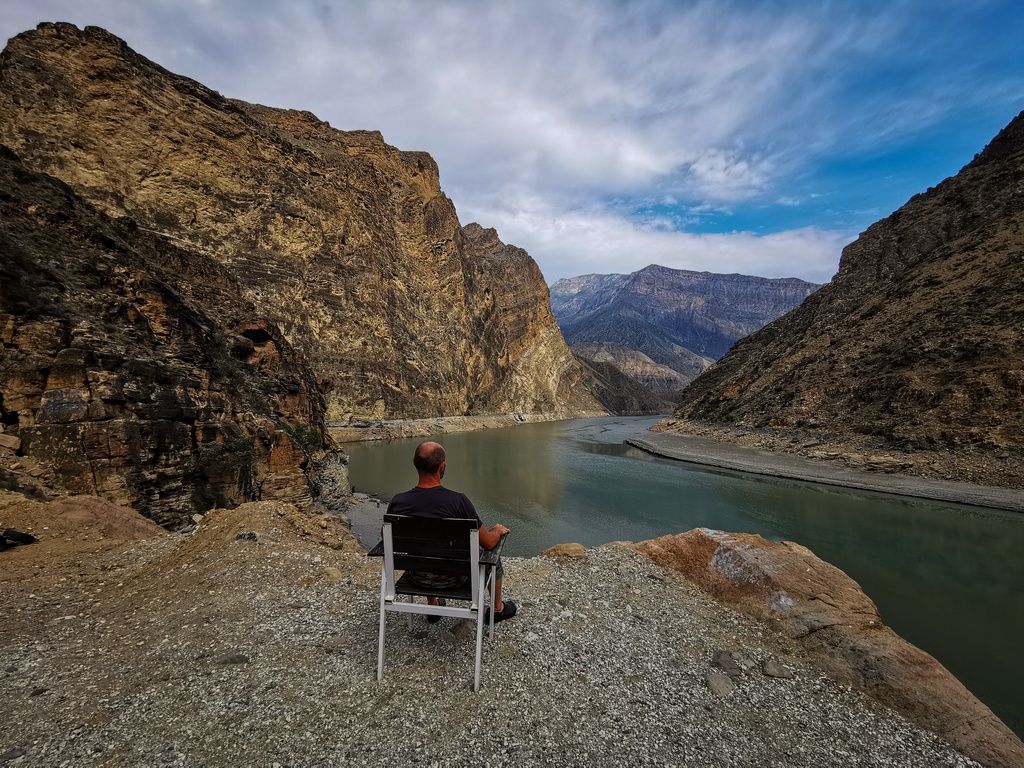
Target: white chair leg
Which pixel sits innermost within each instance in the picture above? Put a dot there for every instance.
(380, 641)
(490, 635)
(479, 649)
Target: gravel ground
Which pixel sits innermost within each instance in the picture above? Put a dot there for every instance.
(214, 650)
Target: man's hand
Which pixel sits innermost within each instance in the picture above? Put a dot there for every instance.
(489, 537)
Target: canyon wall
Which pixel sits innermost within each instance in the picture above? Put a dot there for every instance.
(345, 243)
(133, 369)
(918, 341)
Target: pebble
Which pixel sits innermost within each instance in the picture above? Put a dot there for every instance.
(724, 660)
(720, 685)
(776, 670)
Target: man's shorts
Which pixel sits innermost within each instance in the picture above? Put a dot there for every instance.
(447, 580)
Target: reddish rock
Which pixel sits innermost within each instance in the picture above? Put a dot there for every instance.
(565, 552)
(284, 453)
(6, 328)
(784, 585)
(45, 338)
(94, 513)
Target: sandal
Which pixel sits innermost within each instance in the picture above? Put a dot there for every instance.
(507, 612)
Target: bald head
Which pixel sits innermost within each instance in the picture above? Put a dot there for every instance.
(428, 459)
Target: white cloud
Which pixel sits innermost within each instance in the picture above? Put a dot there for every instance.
(559, 95)
(541, 112)
(567, 243)
(729, 175)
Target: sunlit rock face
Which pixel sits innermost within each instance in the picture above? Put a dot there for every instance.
(134, 370)
(917, 340)
(345, 243)
(660, 383)
(519, 362)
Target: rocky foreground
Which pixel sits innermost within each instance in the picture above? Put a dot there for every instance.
(252, 640)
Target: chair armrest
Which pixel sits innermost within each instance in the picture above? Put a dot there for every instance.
(490, 556)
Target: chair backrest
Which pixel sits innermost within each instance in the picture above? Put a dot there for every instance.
(435, 545)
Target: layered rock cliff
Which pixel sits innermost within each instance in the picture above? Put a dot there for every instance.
(344, 242)
(620, 391)
(133, 369)
(522, 363)
(676, 318)
(917, 343)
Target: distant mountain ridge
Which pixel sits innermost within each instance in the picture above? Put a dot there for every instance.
(678, 319)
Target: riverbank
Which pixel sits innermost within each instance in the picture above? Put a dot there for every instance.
(972, 463)
(396, 429)
(252, 641)
(988, 478)
(714, 451)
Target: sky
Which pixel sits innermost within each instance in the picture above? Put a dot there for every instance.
(750, 136)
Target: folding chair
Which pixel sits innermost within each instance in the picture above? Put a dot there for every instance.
(442, 546)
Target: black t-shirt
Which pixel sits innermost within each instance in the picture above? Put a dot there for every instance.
(437, 502)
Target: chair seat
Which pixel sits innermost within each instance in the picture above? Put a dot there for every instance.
(406, 586)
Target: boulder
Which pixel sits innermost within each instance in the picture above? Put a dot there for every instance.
(818, 606)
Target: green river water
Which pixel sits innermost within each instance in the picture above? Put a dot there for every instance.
(948, 578)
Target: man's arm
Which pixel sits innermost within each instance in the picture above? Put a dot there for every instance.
(489, 537)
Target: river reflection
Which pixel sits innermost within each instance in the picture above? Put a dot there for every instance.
(948, 578)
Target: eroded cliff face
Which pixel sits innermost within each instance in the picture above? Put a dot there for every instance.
(133, 369)
(521, 363)
(654, 383)
(918, 341)
(344, 242)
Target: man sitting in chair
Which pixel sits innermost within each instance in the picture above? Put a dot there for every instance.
(431, 499)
